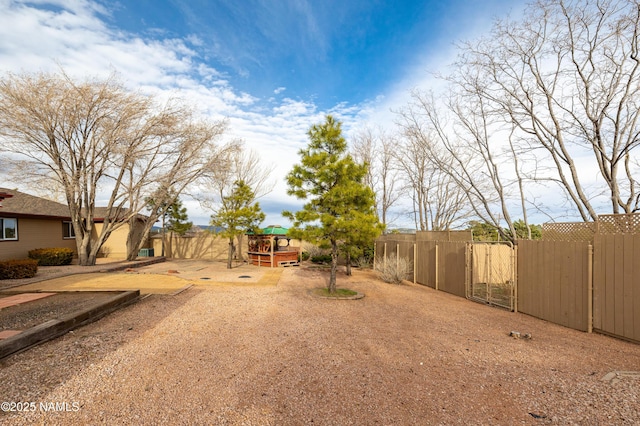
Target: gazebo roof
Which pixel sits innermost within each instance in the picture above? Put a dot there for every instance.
(275, 230)
(272, 230)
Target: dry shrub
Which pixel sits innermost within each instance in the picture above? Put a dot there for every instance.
(313, 250)
(363, 262)
(394, 270)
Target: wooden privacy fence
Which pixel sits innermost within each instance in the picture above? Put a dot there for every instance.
(585, 276)
(553, 281)
(616, 284)
(437, 264)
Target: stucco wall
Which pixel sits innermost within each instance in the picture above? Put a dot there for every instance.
(201, 246)
(33, 234)
(116, 245)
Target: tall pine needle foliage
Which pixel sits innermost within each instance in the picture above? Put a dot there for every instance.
(338, 203)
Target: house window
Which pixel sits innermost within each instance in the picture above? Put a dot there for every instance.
(8, 229)
(67, 230)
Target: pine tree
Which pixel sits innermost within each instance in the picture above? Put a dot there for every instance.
(177, 218)
(173, 215)
(339, 205)
(237, 215)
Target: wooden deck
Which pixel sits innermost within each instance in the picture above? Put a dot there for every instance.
(280, 258)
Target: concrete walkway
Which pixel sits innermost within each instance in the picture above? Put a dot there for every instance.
(149, 284)
(103, 265)
(170, 277)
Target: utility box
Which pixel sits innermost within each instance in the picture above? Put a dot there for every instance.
(145, 252)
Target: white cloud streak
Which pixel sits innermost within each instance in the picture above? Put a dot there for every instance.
(44, 36)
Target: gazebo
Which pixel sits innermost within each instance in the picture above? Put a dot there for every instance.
(272, 248)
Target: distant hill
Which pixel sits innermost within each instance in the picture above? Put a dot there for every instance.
(209, 228)
(196, 228)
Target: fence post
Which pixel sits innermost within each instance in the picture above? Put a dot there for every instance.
(375, 246)
(397, 256)
(384, 259)
(415, 257)
(272, 243)
(489, 272)
(515, 278)
(467, 270)
(436, 267)
(590, 289)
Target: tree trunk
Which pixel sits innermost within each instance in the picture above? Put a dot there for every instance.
(348, 263)
(230, 255)
(240, 243)
(334, 267)
(84, 252)
(163, 233)
(86, 259)
(135, 238)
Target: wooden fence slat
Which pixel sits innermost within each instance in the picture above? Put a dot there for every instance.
(548, 286)
(627, 291)
(635, 273)
(606, 286)
(598, 278)
(618, 283)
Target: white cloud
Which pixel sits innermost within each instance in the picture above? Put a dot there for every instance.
(292, 108)
(73, 36)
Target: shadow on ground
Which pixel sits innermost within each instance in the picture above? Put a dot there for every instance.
(83, 347)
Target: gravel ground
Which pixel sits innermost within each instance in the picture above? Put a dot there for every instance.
(26, 315)
(275, 355)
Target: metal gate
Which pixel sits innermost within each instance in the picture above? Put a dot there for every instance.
(491, 275)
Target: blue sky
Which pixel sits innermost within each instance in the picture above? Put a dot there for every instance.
(273, 68)
(327, 51)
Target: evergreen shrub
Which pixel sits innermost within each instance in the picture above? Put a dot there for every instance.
(18, 268)
(55, 256)
(321, 259)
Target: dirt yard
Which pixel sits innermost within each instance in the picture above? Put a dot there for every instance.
(275, 355)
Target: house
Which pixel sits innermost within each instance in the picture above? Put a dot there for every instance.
(28, 222)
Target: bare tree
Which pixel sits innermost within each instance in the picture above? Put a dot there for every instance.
(438, 202)
(163, 174)
(244, 166)
(551, 99)
(376, 149)
(567, 77)
(412, 158)
(96, 139)
(462, 140)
